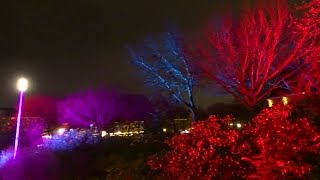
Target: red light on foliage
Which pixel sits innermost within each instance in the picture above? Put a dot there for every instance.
(272, 146)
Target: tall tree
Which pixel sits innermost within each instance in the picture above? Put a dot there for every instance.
(253, 54)
(90, 106)
(167, 67)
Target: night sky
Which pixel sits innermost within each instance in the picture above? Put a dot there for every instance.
(65, 46)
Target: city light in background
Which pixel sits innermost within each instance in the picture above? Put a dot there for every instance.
(239, 125)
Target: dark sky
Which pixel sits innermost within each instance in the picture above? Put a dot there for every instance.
(65, 46)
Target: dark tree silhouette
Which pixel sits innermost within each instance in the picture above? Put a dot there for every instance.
(134, 108)
(90, 106)
(101, 107)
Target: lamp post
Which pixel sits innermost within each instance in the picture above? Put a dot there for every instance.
(22, 86)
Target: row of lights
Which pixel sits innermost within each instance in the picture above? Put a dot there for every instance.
(182, 132)
(237, 124)
(119, 133)
(61, 131)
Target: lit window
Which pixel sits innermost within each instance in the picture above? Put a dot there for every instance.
(270, 102)
(103, 133)
(239, 125)
(285, 100)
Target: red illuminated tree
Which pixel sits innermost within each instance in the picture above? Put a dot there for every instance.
(310, 20)
(271, 146)
(257, 52)
(309, 81)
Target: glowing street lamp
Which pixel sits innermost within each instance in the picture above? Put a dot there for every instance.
(22, 86)
(239, 125)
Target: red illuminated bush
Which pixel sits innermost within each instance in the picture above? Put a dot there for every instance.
(205, 152)
(271, 146)
(284, 144)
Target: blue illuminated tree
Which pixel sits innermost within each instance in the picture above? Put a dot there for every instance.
(166, 65)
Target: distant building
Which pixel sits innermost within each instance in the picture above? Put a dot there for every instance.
(285, 100)
(5, 117)
(125, 128)
(176, 125)
(182, 124)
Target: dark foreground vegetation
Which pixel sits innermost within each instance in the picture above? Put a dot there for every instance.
(113, 158)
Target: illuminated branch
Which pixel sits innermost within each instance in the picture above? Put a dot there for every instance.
(309, 81)
(166, 67)
(249, 57)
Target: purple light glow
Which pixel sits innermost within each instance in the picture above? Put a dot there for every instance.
(101, 107)
(16, 142)
(5, 157)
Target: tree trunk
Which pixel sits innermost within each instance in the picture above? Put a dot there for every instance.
(193, 113)
(192, 105)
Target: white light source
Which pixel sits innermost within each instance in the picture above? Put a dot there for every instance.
(284, 100)
(185, 132)
(46, 136)
(61, 131)
(231, 124)
(239, 125)
(270, 103)
(103, 133)
(22, 84)
(164, 130)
